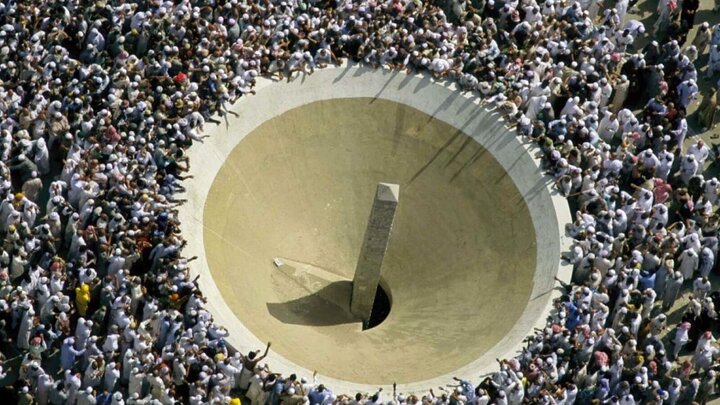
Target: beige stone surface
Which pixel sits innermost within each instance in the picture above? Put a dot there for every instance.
(459, 265)
(476, 128)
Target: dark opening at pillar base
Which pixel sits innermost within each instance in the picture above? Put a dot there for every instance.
(380, 310)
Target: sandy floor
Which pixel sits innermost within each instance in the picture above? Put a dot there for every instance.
(300, 187)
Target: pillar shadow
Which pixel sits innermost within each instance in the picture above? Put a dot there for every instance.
(384, 86)
(459, 133)
(327, 307)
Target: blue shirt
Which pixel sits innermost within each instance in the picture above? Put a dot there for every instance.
(647, 280)
(316, 397)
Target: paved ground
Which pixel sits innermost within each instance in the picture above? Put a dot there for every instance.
(645, 11)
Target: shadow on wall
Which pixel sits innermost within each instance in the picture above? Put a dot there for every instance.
(328, 306)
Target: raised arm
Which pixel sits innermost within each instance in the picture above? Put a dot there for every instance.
(267, 350)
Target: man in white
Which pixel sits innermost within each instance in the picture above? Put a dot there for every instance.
(688, 261)
(605, 92)
(707, 261)
(687, 92)
(688, 168)
(701, 287)
(666, 161)
(700, 151)
(535, 104)
(681, 338)
(711, 188)
(608, 126)
(713, 62)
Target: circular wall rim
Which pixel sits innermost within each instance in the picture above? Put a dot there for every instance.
(440, 99)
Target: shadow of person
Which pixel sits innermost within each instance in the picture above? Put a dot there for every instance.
(328, 306)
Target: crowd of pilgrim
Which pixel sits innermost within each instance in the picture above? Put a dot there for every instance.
(99, 101)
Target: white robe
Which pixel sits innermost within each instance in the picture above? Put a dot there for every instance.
(621, 7)
(688, 263)
(714, 61)
(707, 262)
(621, 92)
(23, 339)
(534, 106)
(42, 157)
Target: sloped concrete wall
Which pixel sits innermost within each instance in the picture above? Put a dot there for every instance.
(443, 101)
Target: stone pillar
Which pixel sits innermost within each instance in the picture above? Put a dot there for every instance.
(377, 236)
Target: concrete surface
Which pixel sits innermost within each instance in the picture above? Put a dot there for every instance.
(272, 196)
